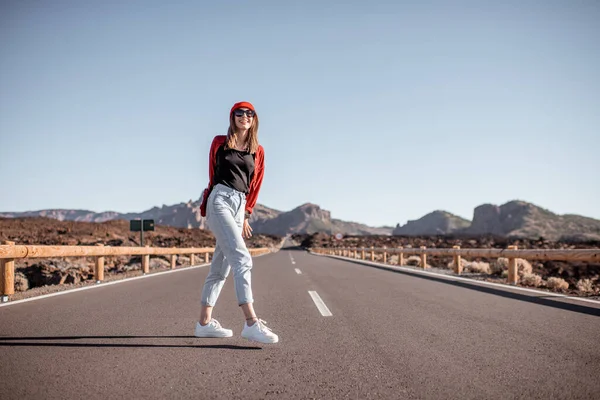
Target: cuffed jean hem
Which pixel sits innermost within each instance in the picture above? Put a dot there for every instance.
(204, 303)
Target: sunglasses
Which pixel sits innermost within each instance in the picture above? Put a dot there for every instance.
(240, 113)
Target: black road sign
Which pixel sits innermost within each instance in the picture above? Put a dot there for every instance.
(135, 225)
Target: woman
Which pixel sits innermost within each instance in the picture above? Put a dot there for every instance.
(236, 169)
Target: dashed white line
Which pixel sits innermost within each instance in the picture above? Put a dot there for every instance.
(298, 271)
(320, 304)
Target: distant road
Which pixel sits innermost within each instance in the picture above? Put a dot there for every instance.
(346, 331)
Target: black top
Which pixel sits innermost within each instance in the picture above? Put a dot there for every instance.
(234, 169)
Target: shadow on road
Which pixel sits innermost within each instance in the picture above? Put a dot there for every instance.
(10, 342)
(548, 301)
(294, 248)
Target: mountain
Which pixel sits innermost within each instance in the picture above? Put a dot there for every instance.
(310, 218)
(65, 215)
(435, 223)
(307, 218)
(522, 219)
(515, 218)
(182, 215)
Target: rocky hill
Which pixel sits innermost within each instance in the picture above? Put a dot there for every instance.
(310, 218)
(182, 215)
(522, 219)
(513, 219)
(435, 223)
(65, 215)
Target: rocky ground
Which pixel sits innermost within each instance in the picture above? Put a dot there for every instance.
(573, 278)
(35, 276)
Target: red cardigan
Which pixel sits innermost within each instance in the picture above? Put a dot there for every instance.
(255, 183)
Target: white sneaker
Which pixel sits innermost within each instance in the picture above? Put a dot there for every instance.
(212, 329)
(259, 332)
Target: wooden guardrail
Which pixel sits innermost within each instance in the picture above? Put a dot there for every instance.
(9, 252)
(511, 253)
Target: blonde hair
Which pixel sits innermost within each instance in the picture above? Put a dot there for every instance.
(251, 137)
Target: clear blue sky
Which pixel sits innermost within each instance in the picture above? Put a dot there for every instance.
(379, 112)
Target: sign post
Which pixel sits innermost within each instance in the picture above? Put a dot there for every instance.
(140, 225)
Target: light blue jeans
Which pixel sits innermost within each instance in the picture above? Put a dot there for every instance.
(225, 217)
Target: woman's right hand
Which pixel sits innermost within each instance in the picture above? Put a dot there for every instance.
(246, 229)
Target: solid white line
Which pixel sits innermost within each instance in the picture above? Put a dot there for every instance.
(104, 284)
(298, 271)
(293, 262)
(319, 303)
(459, 278)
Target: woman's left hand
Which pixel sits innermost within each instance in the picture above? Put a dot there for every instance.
(246, 229)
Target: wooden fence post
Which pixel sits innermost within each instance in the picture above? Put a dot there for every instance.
(372, 254)
(146, 262)
(7, 275)
(173, 259)
(206, 257)
(99, 269)
(384, 254)
(513, 276)
(423, 258)
(400, 257)
(363, 253)
(457, 262)
(192, 259)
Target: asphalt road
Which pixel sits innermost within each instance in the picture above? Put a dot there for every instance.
(391, 335)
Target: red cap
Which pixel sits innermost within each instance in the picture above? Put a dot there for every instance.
(242, 104)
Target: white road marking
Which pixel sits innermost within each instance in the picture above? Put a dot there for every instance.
(293, 262)
(298, 271)
(319, 303)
